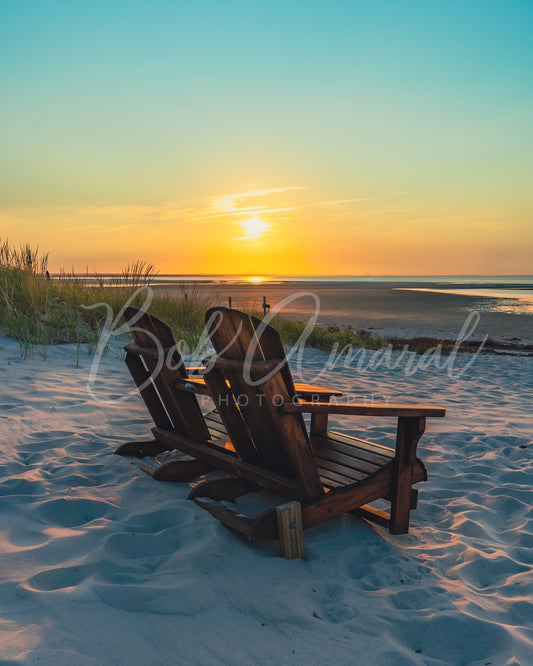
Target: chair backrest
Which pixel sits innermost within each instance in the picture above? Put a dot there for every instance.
(155, 364)
(249, 379)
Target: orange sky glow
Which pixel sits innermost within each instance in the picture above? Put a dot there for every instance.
(277, 231)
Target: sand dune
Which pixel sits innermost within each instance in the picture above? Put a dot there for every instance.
(102, 565)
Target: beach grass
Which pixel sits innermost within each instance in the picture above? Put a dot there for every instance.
(324, 338)
(39, 311)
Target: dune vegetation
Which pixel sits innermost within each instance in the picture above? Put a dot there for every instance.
(39, 310)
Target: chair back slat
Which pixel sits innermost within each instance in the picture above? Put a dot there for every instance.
(280, 440)
(148, 392)
(235, 338)
(231, 416)
(161, 395)
(273, 347)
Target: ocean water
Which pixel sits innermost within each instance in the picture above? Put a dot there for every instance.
(513, 282)
(510, 294)
(450, 281)
(510, 301)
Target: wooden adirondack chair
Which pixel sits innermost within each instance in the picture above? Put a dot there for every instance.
(169, 392)
(158, 371)
(328, 472)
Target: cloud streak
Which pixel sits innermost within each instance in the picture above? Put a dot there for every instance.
(110, 217)
(228, 202)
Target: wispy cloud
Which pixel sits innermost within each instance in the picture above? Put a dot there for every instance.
(228, 202)
(109, 217)
(252, 210)
(339, 202)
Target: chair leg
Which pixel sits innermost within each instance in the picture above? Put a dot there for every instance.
(290, 529)
(225, 488)
(372, 514)
(399, 522)
(410, 430)
(179, 471)
(141, 449)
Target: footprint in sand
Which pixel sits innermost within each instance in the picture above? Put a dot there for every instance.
(447, 638)
(160, 519)
(10, 405)
(81, 478)
(417, 598)
(165, 595)
(74, 512)
(334, 607)
(488, 571)
(130, 545)
(20, 487)
(59, 578)
(52, 435)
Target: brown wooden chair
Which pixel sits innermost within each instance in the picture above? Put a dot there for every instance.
(329, 473)
(158, 371)
(169, 393)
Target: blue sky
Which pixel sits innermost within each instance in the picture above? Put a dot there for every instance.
(422, 108)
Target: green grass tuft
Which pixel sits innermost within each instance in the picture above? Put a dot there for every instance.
(324, 338)
(40, 311)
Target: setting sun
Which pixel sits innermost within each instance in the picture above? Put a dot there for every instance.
(254, 227)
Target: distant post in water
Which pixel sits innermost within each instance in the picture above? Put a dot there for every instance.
(229, 301)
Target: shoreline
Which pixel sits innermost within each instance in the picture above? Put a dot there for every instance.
(385, 310)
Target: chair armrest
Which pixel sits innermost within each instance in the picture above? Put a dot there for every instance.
(307, 391)
(192, 384)
(196, 384)
(361, 409)
(221, 363)
(195, 370)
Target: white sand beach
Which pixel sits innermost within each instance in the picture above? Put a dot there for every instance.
(100, 564)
